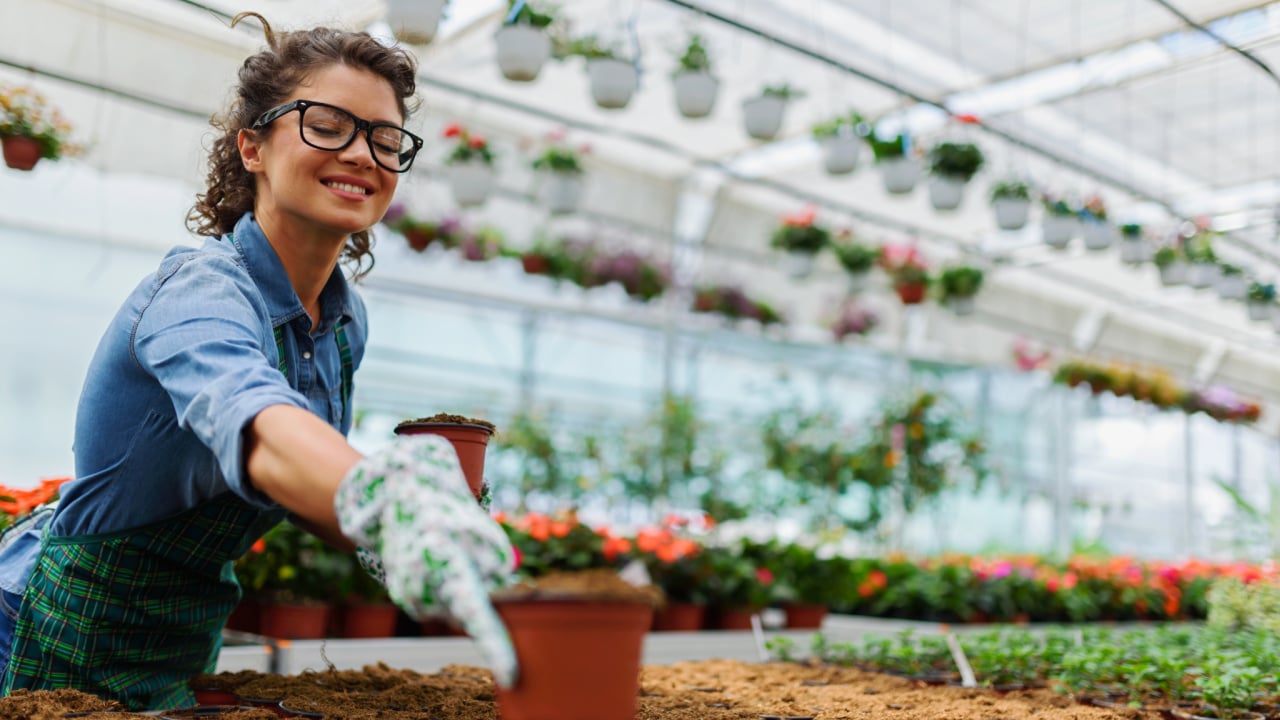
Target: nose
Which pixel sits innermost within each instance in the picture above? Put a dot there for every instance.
(358, 151)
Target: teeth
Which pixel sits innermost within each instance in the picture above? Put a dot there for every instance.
(348, 188)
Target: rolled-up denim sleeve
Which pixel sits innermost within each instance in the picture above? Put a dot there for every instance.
(203, 336)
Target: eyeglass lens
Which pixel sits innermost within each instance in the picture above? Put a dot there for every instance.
(331, 129)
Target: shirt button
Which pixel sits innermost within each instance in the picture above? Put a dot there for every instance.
(306, 355)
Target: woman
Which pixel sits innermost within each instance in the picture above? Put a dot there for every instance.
(219, 398)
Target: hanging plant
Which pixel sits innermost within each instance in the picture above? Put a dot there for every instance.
(953, 165)
(857, 258)
(31, 129)
(855, 319)
(958, 286)
(762, 115)
(1061, 222)
(469, 166)
(415, 21)
(802, 239)
(908, 271)
(899, 169)
(613, 79)
(560, 169)
(524, 42)
(1011, 200)
(841, 141)
(695, 87)
(1098, 233)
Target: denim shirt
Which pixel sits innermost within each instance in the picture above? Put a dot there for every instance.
(188, 361)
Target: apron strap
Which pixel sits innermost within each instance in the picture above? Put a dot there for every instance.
(344, 352)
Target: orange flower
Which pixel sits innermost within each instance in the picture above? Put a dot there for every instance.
(560, 529)
(259, 546)
(892, 458)
(615, 546)
(650, 539)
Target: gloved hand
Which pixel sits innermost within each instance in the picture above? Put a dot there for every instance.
(441, 554)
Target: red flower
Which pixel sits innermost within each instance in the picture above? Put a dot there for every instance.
(517, 558)
(764, 576)
(968, 119)
(804, 218)
(259, 546)
(452, 130)
(476, 142)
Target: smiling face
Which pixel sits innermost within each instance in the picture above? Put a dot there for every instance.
(302, 191)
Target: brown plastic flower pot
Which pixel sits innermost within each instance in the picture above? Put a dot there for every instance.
(468, 440)
(369, 621)
(294, 622)
(215, 696)
(680, 617)
(579, 659)
(20, 152)
(805, 616)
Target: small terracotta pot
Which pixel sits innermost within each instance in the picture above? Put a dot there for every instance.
(911, 293)
(369, 621)
(579, 659)
(468, 440)
(735, 618)
(295, 622)
(244, 617)
(215, 696)
(805, 616)
(679, 617)
(534, 264)
(21, 153)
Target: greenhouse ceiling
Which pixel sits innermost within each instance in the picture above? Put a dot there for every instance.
(1170, 110)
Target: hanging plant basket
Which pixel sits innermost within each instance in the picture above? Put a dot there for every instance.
(859, 282)
(799, 264)
(560, 191)
(1232, 287)
(696, 93)
(472, 182)
(1098, 234)
(840, 153)
(1057, 230)
(613, 82)
(911, 293)
(1258, 311)
(946, 193)
(1132, 251)
(414, 21)
(1174, 274)
(899, 174)
(522, 51)
(21, 152)
(960, 305)
(762, 116)
(1011, 213)
(1201, 275)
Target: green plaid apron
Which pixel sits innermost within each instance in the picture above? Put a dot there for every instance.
(132, 615)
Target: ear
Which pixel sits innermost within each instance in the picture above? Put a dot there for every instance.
(250, 150)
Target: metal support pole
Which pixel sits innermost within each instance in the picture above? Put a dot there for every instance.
(1188, 490)
(1062, 456)
(528, 358)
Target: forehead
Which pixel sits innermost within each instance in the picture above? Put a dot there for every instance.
(361, 92)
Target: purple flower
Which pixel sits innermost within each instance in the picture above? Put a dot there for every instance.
(394, 212)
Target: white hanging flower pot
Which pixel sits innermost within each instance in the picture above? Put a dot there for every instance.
(1175, 273)
(1057, 230)
(613, 82)
(799, 265)
(858, 282)
(414, 21)
(899, 174)
(1202, 275)
(1098, 235)
(522, 51)
(471, 181)
(961, 305)
(840, 153)
(1011, 213)
(946, 193)
(762, 116)
(560, 191)
(1132, 252)
(1258, 311)
(696, 93)
(1232, 287)
(1273, 311)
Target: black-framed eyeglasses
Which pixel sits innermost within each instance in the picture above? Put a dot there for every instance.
(329, 127)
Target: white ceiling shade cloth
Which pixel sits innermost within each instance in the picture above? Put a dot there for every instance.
(1113, 95)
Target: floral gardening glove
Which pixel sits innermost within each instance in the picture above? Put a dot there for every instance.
(409, 510)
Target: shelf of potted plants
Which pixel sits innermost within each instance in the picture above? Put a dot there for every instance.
(695, 87)
(953, 165)
(1011, 201)
(469, 166)
(523, 43)
(762, 115)
(841, 139)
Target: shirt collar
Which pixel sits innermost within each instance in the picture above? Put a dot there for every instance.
(269, 275)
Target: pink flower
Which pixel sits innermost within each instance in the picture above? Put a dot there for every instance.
(764, 576)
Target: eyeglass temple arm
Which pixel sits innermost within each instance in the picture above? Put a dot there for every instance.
(271, 115)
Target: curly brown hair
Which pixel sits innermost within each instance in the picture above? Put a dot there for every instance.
(265, 80)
